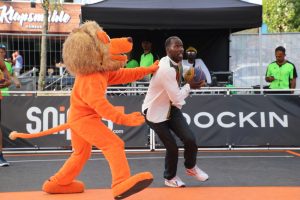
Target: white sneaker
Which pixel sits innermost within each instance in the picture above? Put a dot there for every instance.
(197, 173)
(174, 182)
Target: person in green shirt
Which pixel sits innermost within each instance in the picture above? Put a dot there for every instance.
(5, 82)
(9, 68)
(281, 74)
(131, 63)
(147, 58)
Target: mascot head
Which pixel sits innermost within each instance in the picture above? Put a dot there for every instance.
(88, 49)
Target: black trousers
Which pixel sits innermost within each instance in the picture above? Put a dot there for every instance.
(177, 123)
(0, 110)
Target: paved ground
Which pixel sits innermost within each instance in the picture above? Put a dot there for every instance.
(266, 174)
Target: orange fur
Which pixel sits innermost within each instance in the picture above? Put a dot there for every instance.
(90, 58)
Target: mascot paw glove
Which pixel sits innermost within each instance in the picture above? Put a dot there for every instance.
(133, 119)
(153, 67)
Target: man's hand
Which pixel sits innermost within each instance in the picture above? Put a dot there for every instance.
(196, 85)
(270, 78)
(13, 55)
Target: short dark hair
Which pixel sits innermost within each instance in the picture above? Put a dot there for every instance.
(169, 40)
(280, 48)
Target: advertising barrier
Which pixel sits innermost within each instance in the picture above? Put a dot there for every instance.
(33, 114)
(216, 120)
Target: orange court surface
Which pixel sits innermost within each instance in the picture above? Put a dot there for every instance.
(195, 193)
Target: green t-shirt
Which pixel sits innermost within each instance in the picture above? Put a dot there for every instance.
(10, 71)
(132, 64)
(282, 74)
(146, 60)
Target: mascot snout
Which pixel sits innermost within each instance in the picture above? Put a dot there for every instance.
(120, 46)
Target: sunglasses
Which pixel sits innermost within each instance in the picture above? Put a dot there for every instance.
(191, 52)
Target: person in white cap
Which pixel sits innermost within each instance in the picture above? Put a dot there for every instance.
(193, 61)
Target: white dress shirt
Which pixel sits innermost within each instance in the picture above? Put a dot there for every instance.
(163, 92)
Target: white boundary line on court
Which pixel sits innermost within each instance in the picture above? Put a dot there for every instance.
(152, 158)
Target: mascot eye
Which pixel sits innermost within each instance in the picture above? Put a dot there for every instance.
(103, 37)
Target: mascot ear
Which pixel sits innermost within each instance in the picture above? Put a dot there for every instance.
(103, 37)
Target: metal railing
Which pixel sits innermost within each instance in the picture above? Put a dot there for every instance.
(29, 47)
(128, 90)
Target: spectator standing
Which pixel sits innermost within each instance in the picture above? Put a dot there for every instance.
(147, 58)
(9, 68)
(281, 74)
(5, 82)
(17, 62)
(193, 61)
(162, 109)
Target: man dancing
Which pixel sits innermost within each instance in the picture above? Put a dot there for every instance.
(162, 106)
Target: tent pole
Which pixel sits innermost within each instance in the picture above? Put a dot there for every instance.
(260, 62)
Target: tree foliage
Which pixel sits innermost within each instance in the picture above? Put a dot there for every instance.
(48, 6)
(282, 15)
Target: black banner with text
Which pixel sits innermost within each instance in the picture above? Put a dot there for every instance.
(35, 114)
(216, 120)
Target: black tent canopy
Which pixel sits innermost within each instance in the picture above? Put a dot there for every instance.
(204, 24)
(174, 14)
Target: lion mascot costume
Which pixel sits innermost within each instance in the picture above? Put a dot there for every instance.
(96, 61)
